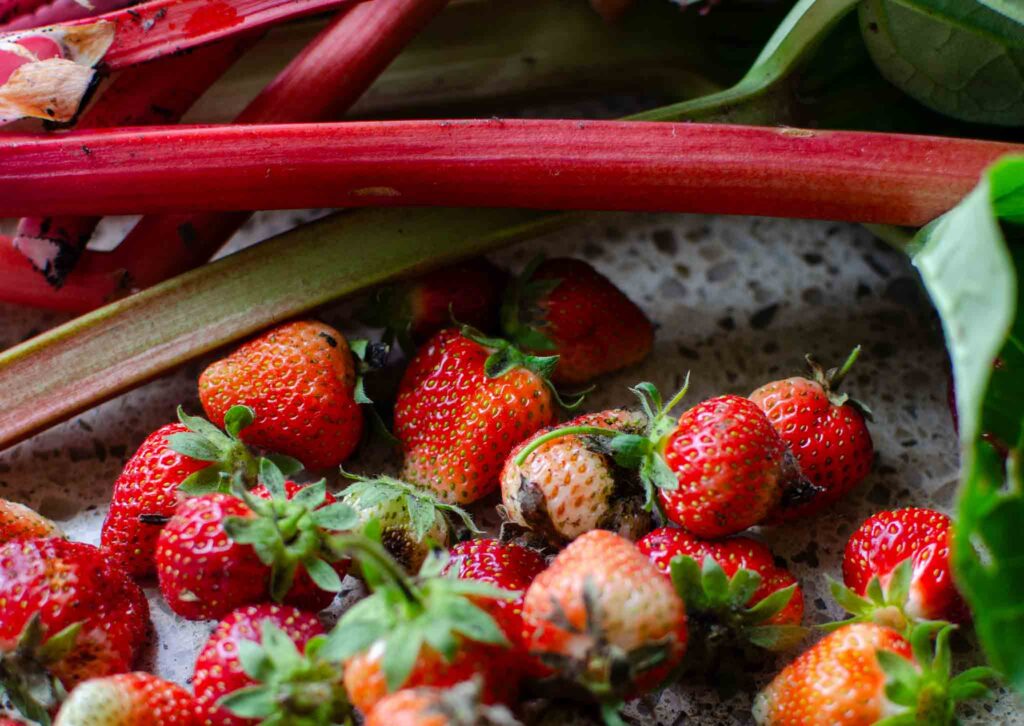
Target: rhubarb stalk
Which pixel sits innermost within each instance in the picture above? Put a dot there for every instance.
(538, 164)
(21, 14)
(48, 72)
(157, 92)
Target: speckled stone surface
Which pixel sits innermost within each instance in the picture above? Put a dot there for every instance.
(737, 302)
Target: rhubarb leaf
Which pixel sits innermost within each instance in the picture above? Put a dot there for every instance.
(957, 57)
(972, 263)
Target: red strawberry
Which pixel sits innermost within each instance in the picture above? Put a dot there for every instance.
(764, 605)
(412, 312)
(300, 379)
(570, 485)
(826, 433)
(897, 569)
(128, 699)
(66, 615)
(864, 673)
(463, 403)
(456, 706)
(303, 684)
(509, 567)
(427, 631)
(19, 522)
(160, 474)
(220, 552)
(603, 616)
(565, 307)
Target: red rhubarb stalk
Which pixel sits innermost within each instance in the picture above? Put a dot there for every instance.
(22, 284)
(538, 164)
(155, 93)
(47, 72)
(21, 14)
(321, 83)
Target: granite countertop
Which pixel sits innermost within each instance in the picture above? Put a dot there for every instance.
(737, 301)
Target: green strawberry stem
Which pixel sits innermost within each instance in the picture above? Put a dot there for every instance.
(372, 553)
(836, 378)
(562, 433)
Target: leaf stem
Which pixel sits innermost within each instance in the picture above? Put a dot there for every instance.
(561, 433)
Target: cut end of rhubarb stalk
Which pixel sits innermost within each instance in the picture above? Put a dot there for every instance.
(48, 73)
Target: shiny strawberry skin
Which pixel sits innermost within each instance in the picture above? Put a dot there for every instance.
(456, 425)
(218, 670)
(67, 583)
(507, 566)
(733, 554)
(128, 699)
(148, 485)
(20, 522)
(729, 463)
(579, 489)
(831, 443)
(636, 606)
(888, 538)
(837, 682)
(468, 292)
(300, 379)
(595, 327)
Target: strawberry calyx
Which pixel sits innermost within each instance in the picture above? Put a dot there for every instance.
(885, 605)
(25, 676)
(832, 378)
(718, 604)
(286, 532)
(505, 357)
(923, 688)
(640, 452)
(522, 315)
(406, 613)
(290, 686)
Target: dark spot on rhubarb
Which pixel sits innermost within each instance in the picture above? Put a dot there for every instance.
(163, 111)
(188, 235)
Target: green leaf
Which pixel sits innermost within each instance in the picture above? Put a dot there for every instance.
(288, 465)
(272, 478)
(971, 266)
(422, 514)
(195, 446)
(338, 517)
(352, 636)
(310, 496)
(247, 530)
(957, 57)
(742, 586)
(901, 677)
(474, 622)
(772, 605)
(322, 574)
(687, 580)
(401, 650)
(254, 660)
(60, 644)
(238, 418)
(716, 584)
(629, 450)
(253, 702)
(898, 590)
(205, 481)
(199, 425)
(776, 637)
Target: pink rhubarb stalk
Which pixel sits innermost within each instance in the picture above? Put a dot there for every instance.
(22, 284)
(154, 93)
(21, 14)
(47, 72)
(539, 164)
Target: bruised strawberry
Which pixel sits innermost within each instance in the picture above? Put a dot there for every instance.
(565, 307)
(464, 402)
(220, 551)
(128, 699)
(731, 587)
(603, 617)
(897, 570)
(456, 706)
(20, 522)
(571, 484)
(467, 292)
(825, 431)
(66, 615)
(273, 650)
(864, 673)
(302, 382)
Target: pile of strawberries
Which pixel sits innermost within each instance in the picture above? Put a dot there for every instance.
(619, 567)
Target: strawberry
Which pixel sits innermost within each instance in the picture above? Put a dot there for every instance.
(221, 551)
(571, 485)
(731, 587)
(424, 631)
(717, 471)
(66, 615)
(506, 566)
(262, 662)
(19, 522)
(456, 706)
(463, 403)
(897, 570)
(412, 520)
(864, 674)
(602, 616)
(303, 384)
(826, 432)
(128, 699)
(565, 307)
(160, 474)
(413, 311)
